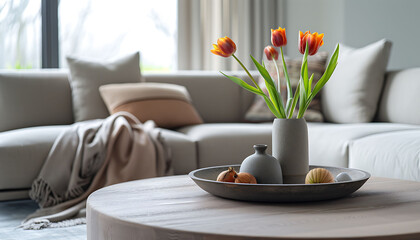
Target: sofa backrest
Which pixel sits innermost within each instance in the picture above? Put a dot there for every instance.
(400, 100)
(33, 98)
(42, 97)
(216, 98)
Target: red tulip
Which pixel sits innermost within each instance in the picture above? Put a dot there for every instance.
(314, 41)
(225, 47)
(271, 53)
(278, 37)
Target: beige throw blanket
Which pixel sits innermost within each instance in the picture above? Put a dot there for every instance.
(91, 155)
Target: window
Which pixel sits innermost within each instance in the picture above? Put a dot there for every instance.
(20, 29)
(107, 28)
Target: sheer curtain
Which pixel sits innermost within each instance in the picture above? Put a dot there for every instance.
(247, 22)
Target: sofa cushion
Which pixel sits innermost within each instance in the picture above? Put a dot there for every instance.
(392, 154)
(182, 149)
(31, 98)
(168, 105)
(216, 98)
(352, 94)
(221, 144)
(87, 76)
(400, 101)
(22, 154)
(329, 143)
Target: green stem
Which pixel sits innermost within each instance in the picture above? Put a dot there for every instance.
(286, 75)
(306, 106)
(304, 81)
(278, 76)
(246, 70)
(278, 85)
(295, 99)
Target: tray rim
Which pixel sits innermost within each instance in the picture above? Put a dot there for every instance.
(193, 177)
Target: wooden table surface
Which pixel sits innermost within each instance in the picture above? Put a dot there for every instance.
(176, 208)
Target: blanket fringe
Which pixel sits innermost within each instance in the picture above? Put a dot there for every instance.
(74, 193)
(38, 224)
(42, 193)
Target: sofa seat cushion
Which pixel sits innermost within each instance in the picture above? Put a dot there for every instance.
(182, 150)
(329, 143)
(222, 144)
(22, 154)
(227, 143)
(392, 154)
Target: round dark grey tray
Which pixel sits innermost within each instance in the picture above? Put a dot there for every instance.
(205, 178)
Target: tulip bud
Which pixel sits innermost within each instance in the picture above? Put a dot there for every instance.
(314, 40)
(271, 53)
(278, 37)
(225, 47)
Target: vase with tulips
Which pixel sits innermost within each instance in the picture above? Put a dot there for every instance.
(290, 135)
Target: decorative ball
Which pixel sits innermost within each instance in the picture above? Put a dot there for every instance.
(319, 175)
(343, 177)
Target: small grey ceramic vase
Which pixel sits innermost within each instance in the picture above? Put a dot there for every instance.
(290, 147)
(265, 168)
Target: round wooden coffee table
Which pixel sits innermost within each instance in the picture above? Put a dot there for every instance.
(176, 208)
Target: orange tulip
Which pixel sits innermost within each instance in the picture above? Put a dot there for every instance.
(225, 47)
(314, 41)
(278, 37)
(271, 53)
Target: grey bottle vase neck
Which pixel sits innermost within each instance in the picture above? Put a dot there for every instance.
(260, 148)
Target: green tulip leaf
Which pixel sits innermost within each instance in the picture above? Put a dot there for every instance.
(328, 72)
(243, 84)
(271, 107)
(271, 87)
(252, 89)
(309, 89)
(302, 98)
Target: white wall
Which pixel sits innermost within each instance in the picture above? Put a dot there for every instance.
(322, 16)
(357, 23)
(396, 20)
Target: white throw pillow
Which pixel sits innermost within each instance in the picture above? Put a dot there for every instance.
(352, 93)
(87, 76)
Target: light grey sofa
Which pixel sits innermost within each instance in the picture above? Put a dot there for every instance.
(35, 106)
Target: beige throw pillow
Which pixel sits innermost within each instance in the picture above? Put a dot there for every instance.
(169, 105)
(86, 76)
(259, 112)
(352, 93)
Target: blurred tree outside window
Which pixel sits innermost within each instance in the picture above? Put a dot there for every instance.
(20, 34)
(106, 29)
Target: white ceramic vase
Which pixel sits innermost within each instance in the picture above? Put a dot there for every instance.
(290, 148)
